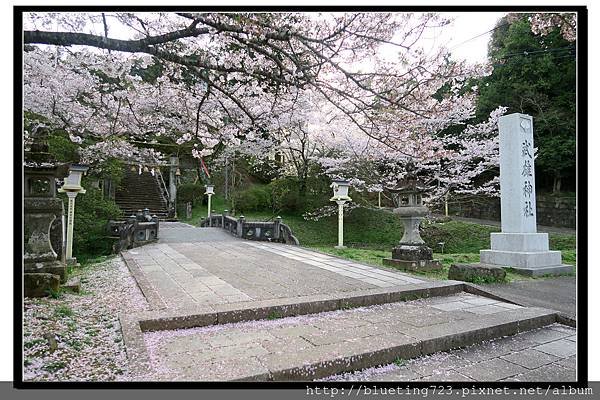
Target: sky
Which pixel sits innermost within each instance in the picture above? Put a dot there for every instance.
(465, 27)
(466, 36)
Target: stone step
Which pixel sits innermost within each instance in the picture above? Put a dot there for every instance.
(314, 346)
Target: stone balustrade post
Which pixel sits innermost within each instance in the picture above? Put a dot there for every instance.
(225, 213)
(277, 228)
(240, 226)
(155, 220)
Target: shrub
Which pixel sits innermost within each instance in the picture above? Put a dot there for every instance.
(255, 198)
(92, 213)
(190, 192)
(284, 195)
(61, 147)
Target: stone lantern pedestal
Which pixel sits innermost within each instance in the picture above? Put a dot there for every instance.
(43, 224)
(412, 253)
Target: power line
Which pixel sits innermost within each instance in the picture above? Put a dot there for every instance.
(481, 34)
(532, 52)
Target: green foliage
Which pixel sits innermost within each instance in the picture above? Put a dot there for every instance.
(458, 237)
(273, 315)
(559, 241)
(482, 280)
(92, 213)
(54, 366)
(190, 192)
(61, 147)
(111, 168)
(150, 73)
(55, 294)
(63, 311)
(255, 198)
(540, 83)
(264, 170)
(399, 362)
(284, 194)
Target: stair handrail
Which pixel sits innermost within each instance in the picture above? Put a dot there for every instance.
(165, 191)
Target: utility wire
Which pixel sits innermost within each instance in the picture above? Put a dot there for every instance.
(526, 52)
(481, 34)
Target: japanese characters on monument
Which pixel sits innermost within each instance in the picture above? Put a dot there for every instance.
(527, 170)
(517, 173)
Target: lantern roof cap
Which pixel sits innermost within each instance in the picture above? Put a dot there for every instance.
(78, 167)
(341, 182)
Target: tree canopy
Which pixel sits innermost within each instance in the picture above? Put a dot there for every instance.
(536, 74)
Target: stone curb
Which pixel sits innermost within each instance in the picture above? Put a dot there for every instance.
(418, 342)
(486, 328)
(151, 295)
(135, 348)
(280, 308)
(561, 318)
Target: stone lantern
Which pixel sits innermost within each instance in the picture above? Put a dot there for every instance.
(210, 190)
(72, 187)
(340, 196)
(411, 253)
(43, 250)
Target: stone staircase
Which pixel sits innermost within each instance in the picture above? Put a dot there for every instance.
(310, 339)
(139, 191)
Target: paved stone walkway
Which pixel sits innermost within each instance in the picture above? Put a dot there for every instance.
(275, 348)
(199, 267)
(545, 354)
(371, 275)
(179, 232)
(558, 293)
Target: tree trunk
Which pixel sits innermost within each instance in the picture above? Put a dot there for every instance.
(556, 185)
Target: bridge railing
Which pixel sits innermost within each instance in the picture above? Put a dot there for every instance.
(272, 231)
(135, 231)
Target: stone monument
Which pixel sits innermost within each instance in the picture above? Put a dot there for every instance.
(519, 245)
(411, 253)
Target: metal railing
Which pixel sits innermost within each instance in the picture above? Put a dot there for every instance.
(165, 192)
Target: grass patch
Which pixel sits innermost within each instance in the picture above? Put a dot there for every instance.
(399, 362)
(273, 315)
(55, 366)
(200, 211)
(32, 343)
(62, 311)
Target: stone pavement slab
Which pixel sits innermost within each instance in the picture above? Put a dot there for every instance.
(317, 345)
(558, 293)
(178, 232)
(513, 358)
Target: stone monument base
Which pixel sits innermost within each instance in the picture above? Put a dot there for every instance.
(526, 253)
(40, 284)
(413, 257)
(419, 265)
(530, 263)
(49, 267)
(412, 252)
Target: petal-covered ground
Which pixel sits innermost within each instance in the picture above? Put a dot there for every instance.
(77, 337)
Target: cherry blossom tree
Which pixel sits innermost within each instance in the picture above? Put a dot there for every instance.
(544, 23)
(210, 78)
(317, 87)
